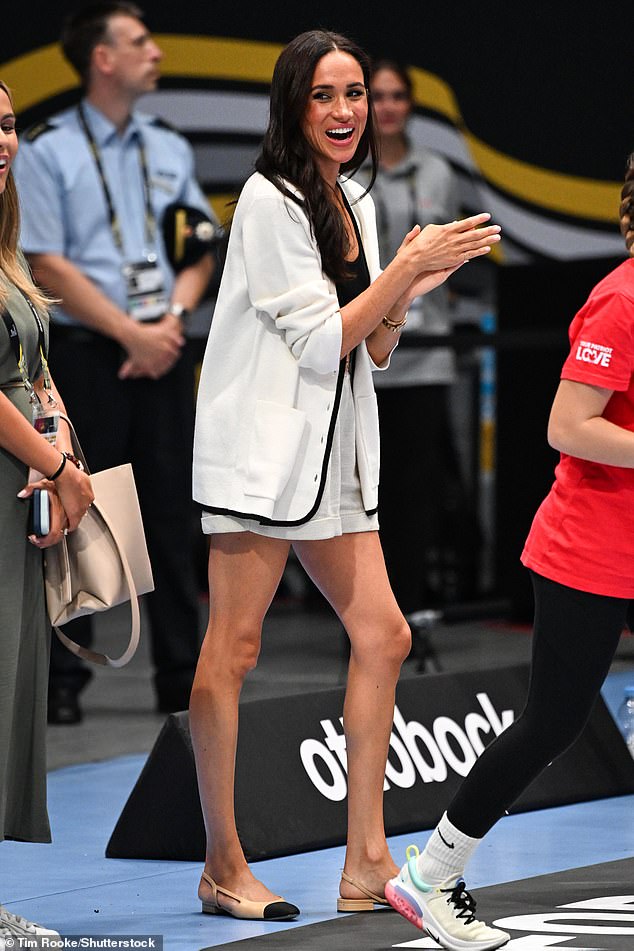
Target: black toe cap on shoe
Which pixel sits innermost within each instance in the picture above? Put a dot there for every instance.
(280, 911)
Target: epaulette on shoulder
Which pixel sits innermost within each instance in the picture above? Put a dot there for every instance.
(36, 130)
(160, 123)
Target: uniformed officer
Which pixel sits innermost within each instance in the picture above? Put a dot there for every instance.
(95, 183)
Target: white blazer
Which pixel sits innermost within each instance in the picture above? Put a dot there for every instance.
(271, 377)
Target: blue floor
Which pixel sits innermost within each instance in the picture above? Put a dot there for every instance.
(72, 887)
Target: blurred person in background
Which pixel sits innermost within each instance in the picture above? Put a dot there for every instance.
(434, 560)
(96, 182)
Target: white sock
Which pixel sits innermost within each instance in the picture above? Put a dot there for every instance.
(447, 852)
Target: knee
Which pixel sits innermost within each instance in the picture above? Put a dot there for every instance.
(545, 736)
(561, 739)
(402, 642)
(230, 654)
(246, 651)
(389, 646)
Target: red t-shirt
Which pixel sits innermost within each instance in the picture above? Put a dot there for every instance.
(583, 533)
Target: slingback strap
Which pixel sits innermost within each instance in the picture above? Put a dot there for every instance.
(362, 888)
(218, 889)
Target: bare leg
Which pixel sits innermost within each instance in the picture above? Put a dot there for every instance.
(350, 572)
(244, 572)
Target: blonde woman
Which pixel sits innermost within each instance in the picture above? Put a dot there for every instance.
(24, 645)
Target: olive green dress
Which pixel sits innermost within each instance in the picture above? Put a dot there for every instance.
(24, 628)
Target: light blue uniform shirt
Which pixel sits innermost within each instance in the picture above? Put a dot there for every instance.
(62, 201)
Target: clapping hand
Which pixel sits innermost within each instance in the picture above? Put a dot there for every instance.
(439, 247)
(444, 248)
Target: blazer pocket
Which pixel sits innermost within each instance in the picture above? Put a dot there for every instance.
(275, 438)
(367, 419)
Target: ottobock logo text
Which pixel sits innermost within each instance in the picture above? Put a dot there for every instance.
(594, 353)
(415, 751)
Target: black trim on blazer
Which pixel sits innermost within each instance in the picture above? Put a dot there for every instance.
(261, 519)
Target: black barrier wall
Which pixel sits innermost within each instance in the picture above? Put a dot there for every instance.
(291, 782)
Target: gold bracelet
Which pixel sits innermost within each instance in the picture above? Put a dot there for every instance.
(394, 326)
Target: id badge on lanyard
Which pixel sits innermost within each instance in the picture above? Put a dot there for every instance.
(46, 421)
(145, 289)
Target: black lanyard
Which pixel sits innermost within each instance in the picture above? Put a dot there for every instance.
(115, 226)
(20, 356)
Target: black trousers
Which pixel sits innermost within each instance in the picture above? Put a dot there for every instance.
(574, 640)
(150, 424)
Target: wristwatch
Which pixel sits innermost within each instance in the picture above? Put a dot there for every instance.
(178, 310)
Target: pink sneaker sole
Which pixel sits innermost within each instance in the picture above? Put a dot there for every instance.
(400, 901)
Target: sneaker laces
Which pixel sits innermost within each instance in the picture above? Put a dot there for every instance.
(462, 900)
(8, 919)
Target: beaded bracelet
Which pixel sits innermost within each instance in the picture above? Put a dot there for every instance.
(394, 326)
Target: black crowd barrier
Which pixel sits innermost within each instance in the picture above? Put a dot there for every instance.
(291, 782)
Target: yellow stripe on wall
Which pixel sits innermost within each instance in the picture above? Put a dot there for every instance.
(588, 198)
(37, 76)
(432, 92)
(578, 197)
(218, 58)
(42, 74)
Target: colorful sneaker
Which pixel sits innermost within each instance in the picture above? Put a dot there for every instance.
(15, 926)
(446, 911)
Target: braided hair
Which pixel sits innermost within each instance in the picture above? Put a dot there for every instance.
(626, 208)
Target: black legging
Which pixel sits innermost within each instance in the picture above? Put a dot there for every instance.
(574, 640)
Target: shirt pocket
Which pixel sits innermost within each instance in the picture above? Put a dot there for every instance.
(275, 440)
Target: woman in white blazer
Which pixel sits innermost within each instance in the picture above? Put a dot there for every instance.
(287, 449)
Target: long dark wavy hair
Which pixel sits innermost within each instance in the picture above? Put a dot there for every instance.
(286, 156)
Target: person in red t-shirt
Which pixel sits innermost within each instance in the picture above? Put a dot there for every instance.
(580, 552)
